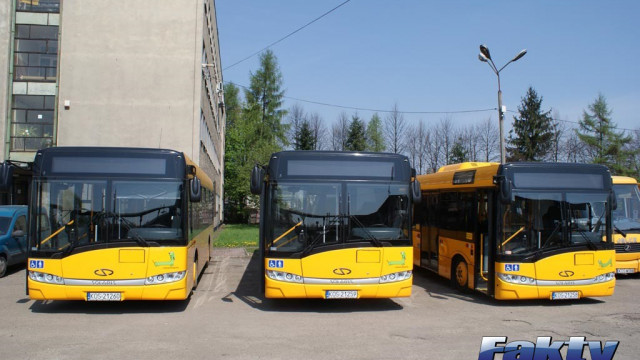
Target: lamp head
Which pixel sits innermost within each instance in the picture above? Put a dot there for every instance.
(520, 54)
(485, 51)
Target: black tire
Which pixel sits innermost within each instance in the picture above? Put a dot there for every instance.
(460, 275)
(3, 265)
(195, 274)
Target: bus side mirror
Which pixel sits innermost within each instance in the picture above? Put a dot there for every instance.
(257, 174)
(416, 194)
(195, 190)
(505, 191)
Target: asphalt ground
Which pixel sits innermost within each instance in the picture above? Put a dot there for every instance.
(227, 318)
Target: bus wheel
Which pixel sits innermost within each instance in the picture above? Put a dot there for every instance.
(3, 266)
(195, 274)
(460, 274)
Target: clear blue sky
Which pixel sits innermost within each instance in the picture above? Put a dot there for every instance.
(423, 55)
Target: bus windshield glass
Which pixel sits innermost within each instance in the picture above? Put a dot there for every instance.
(76, 213)
(311, 215)
(535, 222)
(627, 215)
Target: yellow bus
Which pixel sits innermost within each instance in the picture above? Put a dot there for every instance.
(519, 230)
(626, 222)
(114, 224)
(335, 225)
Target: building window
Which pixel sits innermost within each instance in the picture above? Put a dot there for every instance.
(35, 55)
(47, 6)
(32, 122)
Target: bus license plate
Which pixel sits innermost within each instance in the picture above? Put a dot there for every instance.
(625, 271)
(341, 294)
(565, 295)
(104, 296)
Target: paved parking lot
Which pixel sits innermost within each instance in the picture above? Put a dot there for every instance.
(226, 318)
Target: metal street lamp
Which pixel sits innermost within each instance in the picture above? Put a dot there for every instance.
(485, 56)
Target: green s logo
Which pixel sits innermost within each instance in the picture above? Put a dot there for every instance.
(398, 262)
(607, 264)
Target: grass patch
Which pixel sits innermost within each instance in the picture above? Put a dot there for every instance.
(237, 235)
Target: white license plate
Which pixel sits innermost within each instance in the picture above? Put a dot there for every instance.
(341, 294)
(625, 271)
(104, 296)
(565, 295)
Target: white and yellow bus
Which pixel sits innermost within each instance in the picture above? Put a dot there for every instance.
(519, 230)
(336, 224)
(114, 224)
(626, 222)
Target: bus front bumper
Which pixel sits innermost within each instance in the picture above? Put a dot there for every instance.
(171, 291)
(627, 266)
(509, 291)
(280, 289)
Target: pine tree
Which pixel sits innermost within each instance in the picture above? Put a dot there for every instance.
(356, 138)
(532, 133)
(264, 96)
(458, 153)
(604, 145)
(375, 138)
(305, 139)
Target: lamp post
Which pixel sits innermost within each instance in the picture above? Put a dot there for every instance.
(485, 56)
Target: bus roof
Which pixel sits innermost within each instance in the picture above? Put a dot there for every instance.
(443, 179)
(340, 165)
(623, 180)
(478, 174)
(176, 167)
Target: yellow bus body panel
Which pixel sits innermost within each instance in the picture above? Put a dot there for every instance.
(629, 261)
(560, 271)
(102, 266)
(344, 269)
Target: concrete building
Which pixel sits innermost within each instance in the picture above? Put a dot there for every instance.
(142, 73)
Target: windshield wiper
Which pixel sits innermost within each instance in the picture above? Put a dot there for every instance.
(624, 234)
(311, 245)
(590, 243)
(371, 238)
(555, 230)
(141, 241)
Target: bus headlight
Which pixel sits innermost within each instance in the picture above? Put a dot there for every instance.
(394, 277)
(517, 279)
(165, 278)
(604, 277)
(284, 276)
(45, 278)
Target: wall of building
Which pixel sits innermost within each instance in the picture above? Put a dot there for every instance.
(130, 73)
(6, 15)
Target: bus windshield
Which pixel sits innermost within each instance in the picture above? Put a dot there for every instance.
(538, 221)
(310, 215)
(627, 215)
(75, 213)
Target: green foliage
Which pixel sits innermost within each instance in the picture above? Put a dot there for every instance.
(356, 137)
(458, 153)
(253, 133)
(237, 235)
(305, 139)
(604, 145)
(375, 138)
(264, 98)
(532, 134)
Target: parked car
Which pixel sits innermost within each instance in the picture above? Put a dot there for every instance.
(13, 236)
